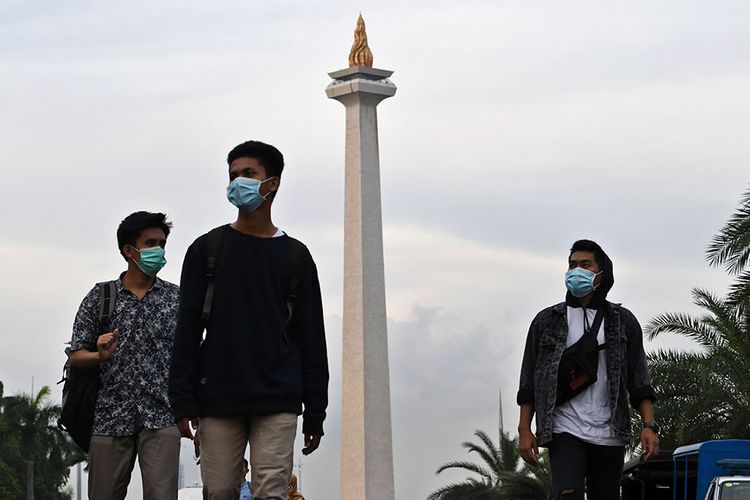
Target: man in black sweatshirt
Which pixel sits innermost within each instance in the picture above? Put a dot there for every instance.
(263, 358)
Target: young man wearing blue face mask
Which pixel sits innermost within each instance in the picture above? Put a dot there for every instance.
(263, 358)
(582, 413)
(133, 415)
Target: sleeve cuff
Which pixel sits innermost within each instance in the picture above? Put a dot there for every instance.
(312, 426)
(185, 409)
(525, 396)
(645, 392)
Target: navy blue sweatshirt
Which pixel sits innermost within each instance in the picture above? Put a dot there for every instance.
(251, 361)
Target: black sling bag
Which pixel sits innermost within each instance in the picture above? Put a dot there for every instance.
(580, 362)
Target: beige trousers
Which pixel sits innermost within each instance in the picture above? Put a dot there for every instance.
(111, 461)
(223, 441)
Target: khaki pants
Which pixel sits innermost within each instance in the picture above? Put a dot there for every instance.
(223, 441)
(111, 461)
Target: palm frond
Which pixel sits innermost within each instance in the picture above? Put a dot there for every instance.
(724, 318)
(43, 393)
(485, 473)
(685, 325)
(489, 453)
(731, 247)
(739, 292)
(509, 453)
(469, 490)
(518, 486)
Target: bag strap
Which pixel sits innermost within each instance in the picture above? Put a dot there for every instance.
(296, 256)
(594, 329)
(213, 244)
(108, 293)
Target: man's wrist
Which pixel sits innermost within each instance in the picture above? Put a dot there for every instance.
(651, 424)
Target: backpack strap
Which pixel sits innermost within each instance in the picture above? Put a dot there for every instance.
(296, 262)
(296, 256)
(108, 293)
(213, 244)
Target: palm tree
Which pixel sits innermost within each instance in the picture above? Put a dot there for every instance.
(531, 483)
(678, 379)
(11, 460)
(499, 477)
(704, 394)
(731, 249)
(31, 422)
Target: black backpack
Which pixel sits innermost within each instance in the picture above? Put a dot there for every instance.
(81, 386)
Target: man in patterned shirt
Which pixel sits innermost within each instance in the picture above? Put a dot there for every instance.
(133, 415)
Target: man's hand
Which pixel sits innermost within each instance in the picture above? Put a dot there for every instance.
(528, 447)
(184, 424)
(649, 439)
(649, 443)
(107, 343)
(312, 441)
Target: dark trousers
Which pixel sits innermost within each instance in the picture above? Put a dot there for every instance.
(575, 463)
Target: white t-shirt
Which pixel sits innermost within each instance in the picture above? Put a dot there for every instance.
(587, 416)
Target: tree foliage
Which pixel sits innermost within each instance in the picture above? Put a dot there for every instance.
(499, 475)
(705, 394)
(28, 432)
(730, 249)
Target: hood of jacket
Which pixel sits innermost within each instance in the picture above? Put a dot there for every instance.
(606, 282)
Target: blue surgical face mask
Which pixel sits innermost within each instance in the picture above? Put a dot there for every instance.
(244, 193)
(580, 281)
(152, 260)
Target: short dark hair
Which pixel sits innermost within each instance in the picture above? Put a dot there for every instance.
(267, 155)
(589, 246)
(132, 226)
(244, 461)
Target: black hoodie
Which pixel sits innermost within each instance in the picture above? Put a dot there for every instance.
(606, 282)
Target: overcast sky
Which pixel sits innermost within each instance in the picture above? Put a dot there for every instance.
(517, 128)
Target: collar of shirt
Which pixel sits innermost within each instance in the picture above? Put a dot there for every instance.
(157, 284)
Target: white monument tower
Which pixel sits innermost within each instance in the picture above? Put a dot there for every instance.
(366, 450)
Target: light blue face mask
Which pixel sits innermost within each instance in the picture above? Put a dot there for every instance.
(580, 281)
(152, 260)
(244, 193)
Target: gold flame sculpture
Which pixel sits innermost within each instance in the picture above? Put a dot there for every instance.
(360, 54)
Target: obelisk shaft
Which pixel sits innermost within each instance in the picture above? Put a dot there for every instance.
(367, 455)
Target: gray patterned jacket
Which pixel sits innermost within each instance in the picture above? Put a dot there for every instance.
(628, 375)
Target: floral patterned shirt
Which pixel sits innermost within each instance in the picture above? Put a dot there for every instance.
(133, 392)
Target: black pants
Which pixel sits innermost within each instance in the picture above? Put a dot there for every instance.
(574, 462)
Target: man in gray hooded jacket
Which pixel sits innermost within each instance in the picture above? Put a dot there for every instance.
(585, 435)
